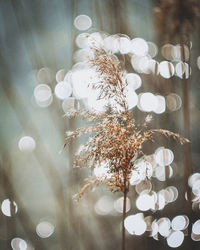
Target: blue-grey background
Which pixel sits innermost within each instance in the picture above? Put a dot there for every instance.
(36, 34)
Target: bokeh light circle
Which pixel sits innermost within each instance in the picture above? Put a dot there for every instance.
(82, 22)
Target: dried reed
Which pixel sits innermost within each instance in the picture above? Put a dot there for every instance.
(115, 141)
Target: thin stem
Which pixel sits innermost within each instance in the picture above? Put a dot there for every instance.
(186, 117)
(124, 216)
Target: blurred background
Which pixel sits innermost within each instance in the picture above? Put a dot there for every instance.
(44, 45)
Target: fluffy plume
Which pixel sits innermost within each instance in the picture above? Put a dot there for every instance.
(115, 141)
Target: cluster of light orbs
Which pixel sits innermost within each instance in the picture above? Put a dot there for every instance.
(182, 70)
(141, 53)
(156, 165)
(117, 44)
(173, 231)
(194, 183)
(76, 83)
(163, 156)
(142, 170)
(150, 200)
(148, 102)
(18, 244)
(44, 230)
(175, 52)
(105, 205)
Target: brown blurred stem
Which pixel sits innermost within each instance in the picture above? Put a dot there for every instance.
(124, 216)
(186, 118)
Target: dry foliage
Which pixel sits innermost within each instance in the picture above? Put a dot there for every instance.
(114, 139)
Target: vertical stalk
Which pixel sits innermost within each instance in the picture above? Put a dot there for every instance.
(123, 218)
(186, 117)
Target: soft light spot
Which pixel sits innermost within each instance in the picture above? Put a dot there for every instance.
(111, 44)
(43, 95)
(102, 171)
(174, 190)
(118, 204)
(154, 228)
(139, 47)
(63, 90)
(164, 226)
(135, 178)
(82, 40)
(167, 51)
(193, 179)
(196, 188)
(180, 69)
(18, 244)
(8, 207)
(147, 102)
(175, 239)
(134, 80)
(144, 65)
(198, 62)
(143, 186)
(144, 168)
(164, 156)
(44, 75)
(145, 202)
(160, 201)
(166, 69)
(26, 144)
(153, 67)
(180, 223)
(80, 80)
(124, 45)
(44, 229)
(83, 55)
(173, 102)
(60, 75)
(82, 22)
(104, 205)
(96, 39)
(70, 105)
(131, 98)
(161, 106)
(135, 224)
(196, 227)
(95, 103)
(178, 52)
(160, 173)
(152, 49)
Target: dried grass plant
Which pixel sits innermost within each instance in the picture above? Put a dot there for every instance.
(114, 141)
